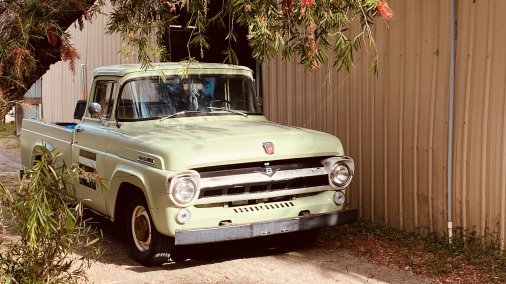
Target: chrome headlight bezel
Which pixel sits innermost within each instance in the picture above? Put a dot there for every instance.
(335, 165)
(339, 175)
(174, 190)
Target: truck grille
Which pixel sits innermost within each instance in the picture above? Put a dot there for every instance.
(301, 182)
(257, 181)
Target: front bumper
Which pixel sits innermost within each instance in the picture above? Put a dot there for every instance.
(237, 232)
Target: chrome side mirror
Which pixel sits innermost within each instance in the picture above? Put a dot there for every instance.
(95, 109)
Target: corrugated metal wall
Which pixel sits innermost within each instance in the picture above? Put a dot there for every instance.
(480, 104)
(60, 87)
(31, 107)
(35, 90)
(395, 124)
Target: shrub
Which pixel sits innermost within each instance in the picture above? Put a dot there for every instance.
(56, 244)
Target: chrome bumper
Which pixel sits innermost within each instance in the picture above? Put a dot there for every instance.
(237, 232)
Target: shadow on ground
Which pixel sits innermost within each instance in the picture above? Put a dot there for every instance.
(262, 260)
(117, 252)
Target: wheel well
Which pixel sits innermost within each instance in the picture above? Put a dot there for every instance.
(37, 155)
(126, 191)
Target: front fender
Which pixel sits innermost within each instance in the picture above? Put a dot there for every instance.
(122, 175)
(152, 183)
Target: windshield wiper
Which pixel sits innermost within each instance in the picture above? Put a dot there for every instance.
(179, 113)
(229, 110)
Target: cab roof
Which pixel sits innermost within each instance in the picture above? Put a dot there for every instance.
(169, 68)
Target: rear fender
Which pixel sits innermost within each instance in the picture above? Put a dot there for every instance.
(38, 148)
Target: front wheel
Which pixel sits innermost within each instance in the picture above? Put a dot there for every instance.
(148, 247)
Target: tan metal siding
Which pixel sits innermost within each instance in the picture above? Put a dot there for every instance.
(480, 118)
(395, 124)
(392, 124)
(35, 91)
(60, 88)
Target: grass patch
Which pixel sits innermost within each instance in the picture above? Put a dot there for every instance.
(468, 259)
(6, 130)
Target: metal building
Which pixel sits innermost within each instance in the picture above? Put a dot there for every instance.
(395, 124)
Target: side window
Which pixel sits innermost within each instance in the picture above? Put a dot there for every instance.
(104, 96)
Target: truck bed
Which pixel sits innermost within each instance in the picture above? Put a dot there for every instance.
(53, 136)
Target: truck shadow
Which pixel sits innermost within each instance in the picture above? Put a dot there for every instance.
(116, 251)
(323, 262)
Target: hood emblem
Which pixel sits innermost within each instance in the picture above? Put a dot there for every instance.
(268, 148)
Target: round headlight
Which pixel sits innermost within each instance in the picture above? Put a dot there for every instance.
(184, 190)
(340, 175)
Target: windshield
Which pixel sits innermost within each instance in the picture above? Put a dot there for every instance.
(150, 98)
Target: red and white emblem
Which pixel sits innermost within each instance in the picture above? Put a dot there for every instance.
(268, 148)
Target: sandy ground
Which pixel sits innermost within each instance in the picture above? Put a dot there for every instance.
(242, 262)
(10, 160)
(234, 262)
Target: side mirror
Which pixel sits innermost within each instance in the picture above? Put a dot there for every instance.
(95, 109)
(79, 110)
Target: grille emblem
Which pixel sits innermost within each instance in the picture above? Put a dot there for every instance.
(268, 170)
(268, 148)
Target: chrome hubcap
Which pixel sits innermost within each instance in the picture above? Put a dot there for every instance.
(141, 228)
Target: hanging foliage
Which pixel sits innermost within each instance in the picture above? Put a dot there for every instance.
(33, 32)
(308, 29)
(33, 37)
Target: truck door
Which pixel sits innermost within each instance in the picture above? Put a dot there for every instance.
(93, 138)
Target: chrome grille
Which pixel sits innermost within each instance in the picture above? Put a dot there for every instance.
(260, 181)
(299, 182)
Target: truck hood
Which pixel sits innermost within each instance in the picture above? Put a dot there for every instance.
(187, 143)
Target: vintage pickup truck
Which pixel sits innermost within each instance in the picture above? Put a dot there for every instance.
(187, 157)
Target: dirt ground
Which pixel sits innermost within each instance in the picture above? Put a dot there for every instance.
(237, 262)
(10, 160)
(241, 262)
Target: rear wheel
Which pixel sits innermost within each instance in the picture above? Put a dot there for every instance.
(148, 247)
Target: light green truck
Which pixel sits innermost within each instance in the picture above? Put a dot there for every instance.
(188, 158)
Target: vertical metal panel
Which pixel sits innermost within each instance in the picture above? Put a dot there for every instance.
(392, 124)
(480, 119)
(31, 107)
(35, 90)
(60, 87)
